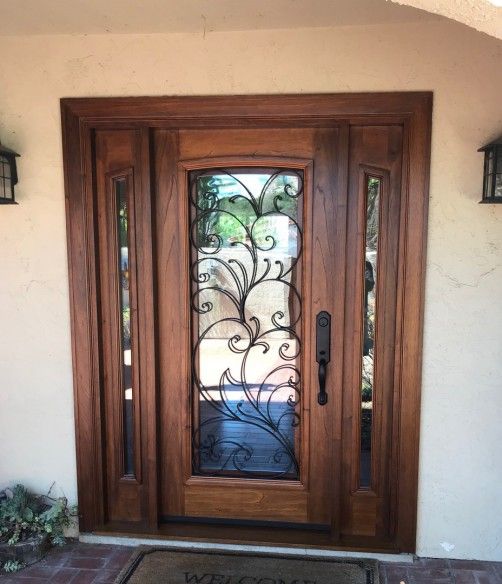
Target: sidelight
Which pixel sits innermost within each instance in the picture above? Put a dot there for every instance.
(246, 244)
(121, 193)
(372, 199)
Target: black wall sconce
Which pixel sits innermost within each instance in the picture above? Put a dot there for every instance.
(8, 175)
(492, 176)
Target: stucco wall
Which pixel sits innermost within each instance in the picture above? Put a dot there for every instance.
(482, 15)
(460, 502)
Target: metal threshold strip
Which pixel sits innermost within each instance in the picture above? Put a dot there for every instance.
(133, 541)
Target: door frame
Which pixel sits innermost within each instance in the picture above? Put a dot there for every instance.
(80, 118)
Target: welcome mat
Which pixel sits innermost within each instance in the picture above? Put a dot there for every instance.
(166, 566)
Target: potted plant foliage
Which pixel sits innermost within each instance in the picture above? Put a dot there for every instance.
(29, 525)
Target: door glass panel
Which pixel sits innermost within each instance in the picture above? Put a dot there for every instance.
(245, 233)
(125, 321)
(373, 187)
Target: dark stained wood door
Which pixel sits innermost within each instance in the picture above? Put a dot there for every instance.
(250, 223)
(211, 243)
(254, 457)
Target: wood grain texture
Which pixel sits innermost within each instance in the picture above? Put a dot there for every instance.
(272, 108)
(116, 159)
(251, 501)
(81, 232)
(326, 268)
(172, 323)
(227, 148)
(411, 285)
(147, 358)
(374, 151)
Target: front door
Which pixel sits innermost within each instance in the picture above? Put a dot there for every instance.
(246, 292)
(280, 259)
(259, 268)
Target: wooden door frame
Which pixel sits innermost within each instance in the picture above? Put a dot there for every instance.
(81, 117)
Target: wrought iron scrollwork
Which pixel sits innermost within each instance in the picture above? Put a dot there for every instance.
(239, 257)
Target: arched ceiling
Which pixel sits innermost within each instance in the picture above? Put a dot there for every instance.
(479, 14)
(27, 17)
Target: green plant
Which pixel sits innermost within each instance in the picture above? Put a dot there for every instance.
(12, 566)
(24, 515)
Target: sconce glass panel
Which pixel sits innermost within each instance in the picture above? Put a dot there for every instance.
(6, 182)
(498, 173)
(492, 179)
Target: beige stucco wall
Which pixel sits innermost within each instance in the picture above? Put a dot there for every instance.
(482, 15)
(460, 502)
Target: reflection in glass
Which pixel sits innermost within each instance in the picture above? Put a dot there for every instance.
(246, 243)
(493, 173)
(373, 187)
(498, 175)
(489, 174)
(125, 321)
(6, 192)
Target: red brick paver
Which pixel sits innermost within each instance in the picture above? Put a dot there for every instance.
(78, 563)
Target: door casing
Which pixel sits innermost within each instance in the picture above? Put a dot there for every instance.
(81, 117)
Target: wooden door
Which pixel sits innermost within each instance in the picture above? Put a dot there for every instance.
(246, 292)
(251, 250)
(347, 237)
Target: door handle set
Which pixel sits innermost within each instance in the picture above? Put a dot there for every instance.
(323, 352)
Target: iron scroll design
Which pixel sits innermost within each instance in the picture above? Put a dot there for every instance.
(236, 258)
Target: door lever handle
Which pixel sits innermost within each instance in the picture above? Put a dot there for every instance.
(322, 396)
(323, 350)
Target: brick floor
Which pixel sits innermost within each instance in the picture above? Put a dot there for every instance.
(100, 564)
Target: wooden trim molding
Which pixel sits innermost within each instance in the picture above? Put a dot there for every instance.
(277, 108)
(82, 119)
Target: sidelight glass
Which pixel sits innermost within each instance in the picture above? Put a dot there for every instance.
(125, 320)
(373, 193)
(245, 233)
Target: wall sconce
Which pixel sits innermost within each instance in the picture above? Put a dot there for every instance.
(492, 176)
(8, 175)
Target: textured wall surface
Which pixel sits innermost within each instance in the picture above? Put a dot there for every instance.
(480, 14)
(460, 468)
(150, 16)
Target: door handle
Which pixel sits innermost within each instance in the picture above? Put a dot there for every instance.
(323, 352)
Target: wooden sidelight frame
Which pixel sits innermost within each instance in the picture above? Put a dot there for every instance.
(81, 117)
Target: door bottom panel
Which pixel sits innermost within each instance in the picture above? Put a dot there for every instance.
(250, 503)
